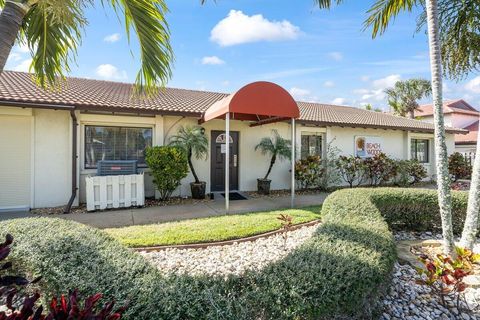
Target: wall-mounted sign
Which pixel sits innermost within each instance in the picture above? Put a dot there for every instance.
(221, 139)
(367, 146)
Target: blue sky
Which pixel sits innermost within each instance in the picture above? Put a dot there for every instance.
(318, 55)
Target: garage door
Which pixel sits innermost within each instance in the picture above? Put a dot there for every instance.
(15, 146)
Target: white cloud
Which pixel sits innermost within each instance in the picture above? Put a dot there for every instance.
(388, 81)
(329, 84)
(378, 86)
(110, 72)
(238, 28)
(335, 55)
(14, 56)
(339, 101)
(365, 78)
(290, 73)
(299, 93)
(225, 83)
(112, 38)
(473, 85)
(212, 60)
(22, 48)
(24, 66)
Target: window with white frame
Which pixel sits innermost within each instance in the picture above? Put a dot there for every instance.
(116, 143)
(311, 145)
(420, 150)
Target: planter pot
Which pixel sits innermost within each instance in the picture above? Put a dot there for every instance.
(198, 189)
(263, 186)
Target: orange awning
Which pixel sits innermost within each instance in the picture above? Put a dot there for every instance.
(261, 102)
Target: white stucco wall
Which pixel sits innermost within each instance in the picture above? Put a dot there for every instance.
(52, 158)
(51, 150)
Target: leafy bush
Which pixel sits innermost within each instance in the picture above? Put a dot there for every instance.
(331, 175)
(379, 169)
(309, 172)
(409, 172)
(169, 166)
(25, 306)
(458, 167)
(335, 273)
(352, 170)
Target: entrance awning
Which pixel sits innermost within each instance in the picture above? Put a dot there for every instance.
(260, 102)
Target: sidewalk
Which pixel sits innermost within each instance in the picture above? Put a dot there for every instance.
(129, 217)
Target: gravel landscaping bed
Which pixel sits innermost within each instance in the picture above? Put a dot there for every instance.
(229, 259)
(405, 299)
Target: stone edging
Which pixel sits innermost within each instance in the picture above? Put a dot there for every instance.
(226, 242)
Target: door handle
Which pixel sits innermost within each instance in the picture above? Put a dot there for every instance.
(235, 160)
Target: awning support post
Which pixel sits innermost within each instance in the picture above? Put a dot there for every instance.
(292, 200)
(227, 162)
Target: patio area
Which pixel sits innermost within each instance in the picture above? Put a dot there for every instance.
(142, 216)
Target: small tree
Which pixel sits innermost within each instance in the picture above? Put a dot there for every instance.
(352, 169)
(277, 147)
(331, 175)
(409, 172)
(458, 166)
(169, 166)
(194, 142)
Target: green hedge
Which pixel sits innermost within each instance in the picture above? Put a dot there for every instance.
(338, 272)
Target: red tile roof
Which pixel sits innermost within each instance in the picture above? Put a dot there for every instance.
(453, 106)
(470, 137)
(95, 95)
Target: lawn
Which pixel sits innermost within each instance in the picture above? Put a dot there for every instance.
(209, 229)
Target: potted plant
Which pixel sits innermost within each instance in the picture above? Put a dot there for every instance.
(276, 147)
(195, 143)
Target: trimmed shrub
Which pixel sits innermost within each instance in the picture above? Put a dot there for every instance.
(458, 167)
(339, 272)
(409, 172)
(309, 172)
(380, 169)
(169, 166)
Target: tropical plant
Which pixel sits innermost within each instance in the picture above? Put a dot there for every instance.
(330, 174)
(409, 172)
(169, 165)
(309, 172)
(195, 143)
(277, 147)
(403, 96)
(352, 169)
(379, 169)
(460, 46)
(52, 30)
(458, 167)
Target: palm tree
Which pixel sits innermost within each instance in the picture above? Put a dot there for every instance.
(460, 46)
(403, 96)
(52, 30)
(277, 147)
(194, 142)
(380, 16)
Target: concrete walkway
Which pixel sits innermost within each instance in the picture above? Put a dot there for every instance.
(129, 217)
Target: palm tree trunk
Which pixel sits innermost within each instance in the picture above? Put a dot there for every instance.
(11, 20)
(272, 162)
(412, 114)
(190, 164)
(443, 179)
(470, 228)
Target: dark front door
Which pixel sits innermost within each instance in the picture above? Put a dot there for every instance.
(218, 160)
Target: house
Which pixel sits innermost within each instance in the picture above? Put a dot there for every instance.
(51, 140)
(458, 114)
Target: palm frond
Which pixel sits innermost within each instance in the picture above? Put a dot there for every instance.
(53, 35)
(327, 4)
(147, 19)
(191, 139)
(383, 12)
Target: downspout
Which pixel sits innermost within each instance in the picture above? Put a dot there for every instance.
(74, 162)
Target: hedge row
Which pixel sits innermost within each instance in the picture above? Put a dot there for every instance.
(337, 273)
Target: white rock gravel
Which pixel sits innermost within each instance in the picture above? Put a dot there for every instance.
(405, 299)
(229, 259)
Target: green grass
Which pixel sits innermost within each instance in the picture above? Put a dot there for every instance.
(209, 229)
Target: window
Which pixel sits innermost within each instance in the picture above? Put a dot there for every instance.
(311, 145)
(116, 143)
(419, 149)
